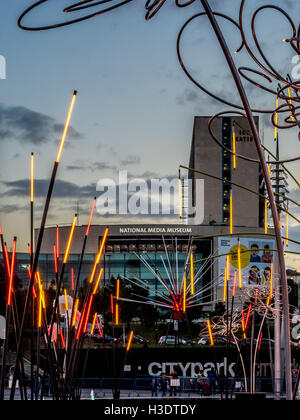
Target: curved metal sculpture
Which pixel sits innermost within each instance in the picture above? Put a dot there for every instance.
(267, 72)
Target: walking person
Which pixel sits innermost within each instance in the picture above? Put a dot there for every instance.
(200, 382)
(154, 386)
(174, 383)
(213, 380)
(164, 385)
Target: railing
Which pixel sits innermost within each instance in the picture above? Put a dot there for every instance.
(149, 387)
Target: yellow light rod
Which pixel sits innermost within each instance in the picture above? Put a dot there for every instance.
(117, 314)
(210, 333)
(94, 323)
(70, 240)
(98, 258)
(98, 281)
(118, 289)
(62, 142)
(271, 280)
(192, 274)
(130, 341)
(291, 104)
(66, 300)
(240, 265)
(234, 147)
(276, 120)
(75, 313)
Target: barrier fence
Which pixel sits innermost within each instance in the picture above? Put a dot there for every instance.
(149, 387)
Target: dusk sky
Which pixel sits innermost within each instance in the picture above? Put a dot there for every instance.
(135, 106)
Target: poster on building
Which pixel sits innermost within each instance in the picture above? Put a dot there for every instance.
(256, 259)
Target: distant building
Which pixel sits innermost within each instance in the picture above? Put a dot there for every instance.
(208, 157)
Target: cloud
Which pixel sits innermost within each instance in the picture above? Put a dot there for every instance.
(27, 126)
(95, 166)
(62, 189)
(131, 160)
(189, 95)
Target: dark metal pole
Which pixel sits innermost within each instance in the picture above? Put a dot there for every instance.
(263, 163)
(31, 283)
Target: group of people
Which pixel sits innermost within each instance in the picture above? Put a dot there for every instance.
(172, 384)
(166, 384)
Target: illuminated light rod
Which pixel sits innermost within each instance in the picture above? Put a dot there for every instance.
(63, 139)
(98, 258)
(130, 341)
(12, 271)
(70, 240)
(234, 147)
(38, 250)
(192, 274)
(210, 333)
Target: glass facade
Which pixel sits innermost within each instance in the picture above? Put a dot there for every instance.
(122, 258)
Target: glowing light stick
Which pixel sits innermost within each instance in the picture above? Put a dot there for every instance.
(243, 326)
(72, 279)
(70, 240)
(240, 265)
(12, 270)
(234, 283)
(112, 308)
(291, 104)
(226, 278)
(88, 313)
(184, 293)
(271, 280)
(248, 316)
(276, 121)
(66, 300)
(130, 341)
(98, 258)
(38, 278)
(62, 142)
(98, 281)
(75, 313)
(192, 274)
(62, 339)
(260, 340)
(210, 333)
(99, 328)
(7, 260)
(55, 259)
(94, 323)
(40, 310)
(118, 290)
(234, 147)
(117, 314)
